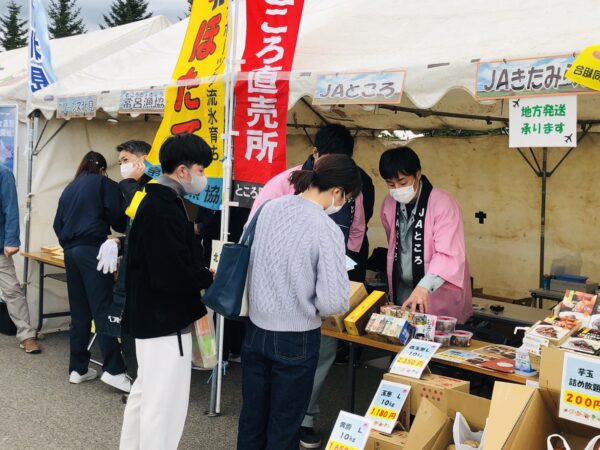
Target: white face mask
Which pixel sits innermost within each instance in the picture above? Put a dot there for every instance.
(196, 185)
(332, 209)
(126, 170)
(404, 194)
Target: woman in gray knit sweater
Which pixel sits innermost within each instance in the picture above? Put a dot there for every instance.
(297, 275)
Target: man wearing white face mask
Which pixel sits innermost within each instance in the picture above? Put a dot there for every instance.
(164, 280)
(132, 157)
(427, 263)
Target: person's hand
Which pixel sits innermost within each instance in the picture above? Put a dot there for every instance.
(214, 273)
(138, 170)
(9, 251)
(107, 256)
(420, 298)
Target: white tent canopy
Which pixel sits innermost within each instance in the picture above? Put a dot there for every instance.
(72, 54)
(437, 46)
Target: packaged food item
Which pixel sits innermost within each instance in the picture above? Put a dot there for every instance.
(357, 320)
(586, 340)
(424, 326)
(375, 326)
(442, 338)
(446, 324)
(461, 338)
(397, 331)
(391, 310)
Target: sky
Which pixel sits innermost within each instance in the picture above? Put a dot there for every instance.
(92, 10)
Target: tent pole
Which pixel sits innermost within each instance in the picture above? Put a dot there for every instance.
(544, 173)
(216, 386)
(33, 130)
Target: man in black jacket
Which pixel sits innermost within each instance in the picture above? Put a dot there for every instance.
(164, 279)
(132, 156)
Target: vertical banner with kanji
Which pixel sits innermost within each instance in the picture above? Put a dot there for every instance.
(196, 103)
(262, 92)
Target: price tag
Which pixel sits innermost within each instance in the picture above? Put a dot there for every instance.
(413, 359)
(385, 407)
(580, 390)
(350, 432)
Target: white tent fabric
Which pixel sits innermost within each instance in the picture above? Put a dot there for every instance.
(437, 46)
(72, 54)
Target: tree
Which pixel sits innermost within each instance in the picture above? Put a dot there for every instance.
(64, 19)
(13, 30)
(125, 11)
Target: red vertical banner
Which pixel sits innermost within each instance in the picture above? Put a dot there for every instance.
(262, 94)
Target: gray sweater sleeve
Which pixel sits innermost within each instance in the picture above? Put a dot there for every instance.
(333, 286)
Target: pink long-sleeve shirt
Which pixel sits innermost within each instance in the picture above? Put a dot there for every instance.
(444, 253)
(280, 185)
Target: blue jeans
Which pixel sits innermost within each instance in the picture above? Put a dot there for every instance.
(278, 370)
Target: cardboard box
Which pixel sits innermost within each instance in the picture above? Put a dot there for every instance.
(380, 441)
(358, 293)
(357, 320)
(432, 427)
(522, 417)
(433, 388)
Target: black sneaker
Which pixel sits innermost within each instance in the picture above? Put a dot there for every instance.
(309, 439)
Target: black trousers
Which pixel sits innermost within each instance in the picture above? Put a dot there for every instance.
(90, 297)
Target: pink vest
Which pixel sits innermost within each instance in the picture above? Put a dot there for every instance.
(444, 251)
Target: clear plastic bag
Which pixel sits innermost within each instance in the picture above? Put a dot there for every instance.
(462, 433)
(204, 344)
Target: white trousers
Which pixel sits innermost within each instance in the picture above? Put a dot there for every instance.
(157, 406)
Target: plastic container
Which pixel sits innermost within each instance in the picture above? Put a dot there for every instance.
(442, 338)
(461, 338)
(445, 324)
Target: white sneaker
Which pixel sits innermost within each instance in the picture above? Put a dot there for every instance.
(120, 382)
(76, 378)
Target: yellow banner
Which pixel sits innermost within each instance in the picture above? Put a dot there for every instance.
(197, 103)
(585, 70)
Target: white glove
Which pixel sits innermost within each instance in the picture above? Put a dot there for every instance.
(107, 256)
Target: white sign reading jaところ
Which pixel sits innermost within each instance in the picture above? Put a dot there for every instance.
(543, 122)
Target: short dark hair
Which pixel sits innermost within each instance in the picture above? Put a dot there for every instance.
(92, 163)
(186, 149)
(334, 138)
(138, 148)
(399, 161)
(330, 171)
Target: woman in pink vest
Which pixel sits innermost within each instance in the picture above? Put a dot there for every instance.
(427, 264)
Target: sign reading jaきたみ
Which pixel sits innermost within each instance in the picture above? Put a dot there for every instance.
(526, 77)
(360, 88)
(543, 122)
(580, 390)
